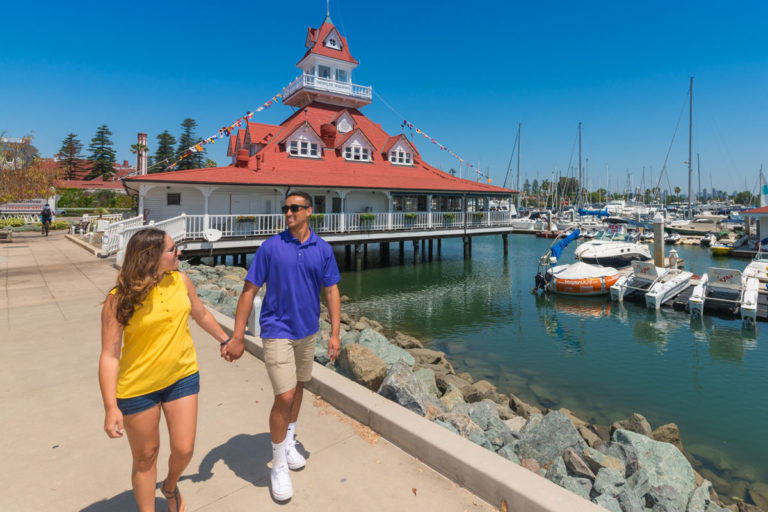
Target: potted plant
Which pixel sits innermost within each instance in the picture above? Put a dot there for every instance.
(449, 218)
(366, 219)
(477, 217)
(245, 218)
(410, 218)
(316, 219)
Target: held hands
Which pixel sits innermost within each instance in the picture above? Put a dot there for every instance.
(113, 423)
(334, 347)
(233, 350)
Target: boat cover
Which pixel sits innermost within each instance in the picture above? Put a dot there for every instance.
(557, 249)
(581, 270)
(598, 213)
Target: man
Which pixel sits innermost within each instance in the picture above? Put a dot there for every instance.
(294, 265)
(45, 218)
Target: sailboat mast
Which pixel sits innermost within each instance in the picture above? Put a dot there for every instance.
(518, 165)
(579, 194)
(690, 148)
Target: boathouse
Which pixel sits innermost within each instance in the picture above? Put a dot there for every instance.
(327, 148)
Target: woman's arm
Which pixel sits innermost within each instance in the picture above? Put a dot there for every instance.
(109, 362)
(202, 316)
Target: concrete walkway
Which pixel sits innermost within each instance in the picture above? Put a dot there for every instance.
(56, 456)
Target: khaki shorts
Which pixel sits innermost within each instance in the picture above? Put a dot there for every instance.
(289, 361)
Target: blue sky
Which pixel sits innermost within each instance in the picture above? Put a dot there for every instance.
(466, 73)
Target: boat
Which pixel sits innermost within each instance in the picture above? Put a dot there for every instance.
(646, 236)
(657, 284)
(720, 249)
(672, 238)
(579, 278)
(612, 249)
(700, 225)
(708, 239)
(727, 290)
(535, 221)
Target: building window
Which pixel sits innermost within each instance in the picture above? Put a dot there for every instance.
(324, 71)
(357, 153)
(341, 75)
(293, 147)
(400, 158)
(173, 199)
(333, 43)
(304, 148)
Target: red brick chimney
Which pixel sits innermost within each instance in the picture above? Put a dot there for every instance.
(242, 158)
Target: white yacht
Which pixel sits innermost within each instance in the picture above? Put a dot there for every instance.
(612, 250)
(536, 221)
(657, 284)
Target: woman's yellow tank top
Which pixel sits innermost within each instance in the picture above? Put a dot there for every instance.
(157, 345)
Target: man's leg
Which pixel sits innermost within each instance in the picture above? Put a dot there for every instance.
(281, 414)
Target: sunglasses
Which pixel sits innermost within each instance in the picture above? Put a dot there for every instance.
(174, 249)
(293, 207)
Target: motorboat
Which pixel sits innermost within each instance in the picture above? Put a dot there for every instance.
(728, 290)
(646, 236)
(535, 221)
(719, 249)
(700, 225)
(657, 284)
(579, 278)
(672, 238)
(708, 239)
(612, 249)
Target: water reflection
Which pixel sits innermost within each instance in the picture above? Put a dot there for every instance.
(726, 342)
(558, 312)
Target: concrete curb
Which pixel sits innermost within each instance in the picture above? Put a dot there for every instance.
(484, 473)
(82, 243)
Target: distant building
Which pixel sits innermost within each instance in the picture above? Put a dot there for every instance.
(80, 181)
(16, 152)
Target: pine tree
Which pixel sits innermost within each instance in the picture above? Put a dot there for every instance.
(102, 154)
(71, 159)
(164, 154)
(186, 141)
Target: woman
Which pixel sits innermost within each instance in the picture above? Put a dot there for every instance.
(146, 314)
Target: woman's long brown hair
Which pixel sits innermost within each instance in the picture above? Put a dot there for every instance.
(138, 274)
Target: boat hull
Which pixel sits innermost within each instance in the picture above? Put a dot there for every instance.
(583, 287)
(720, 250)
(616, 261)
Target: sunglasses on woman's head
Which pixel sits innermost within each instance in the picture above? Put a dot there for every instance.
(293, 207)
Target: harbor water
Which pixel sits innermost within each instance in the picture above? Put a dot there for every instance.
(602, 360)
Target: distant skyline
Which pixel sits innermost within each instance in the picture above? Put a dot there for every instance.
(466, 74)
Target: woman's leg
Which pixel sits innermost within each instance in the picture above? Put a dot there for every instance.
(181, 418)
(144, 437)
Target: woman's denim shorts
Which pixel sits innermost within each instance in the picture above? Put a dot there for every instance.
(183, 387)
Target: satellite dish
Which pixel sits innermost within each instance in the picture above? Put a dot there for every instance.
(211, 235)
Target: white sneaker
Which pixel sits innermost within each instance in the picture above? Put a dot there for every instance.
(295, 459)
(282, 488)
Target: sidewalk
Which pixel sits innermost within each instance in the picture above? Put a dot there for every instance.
(57, 456)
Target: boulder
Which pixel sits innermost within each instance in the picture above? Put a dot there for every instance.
(592, 439)
(384, 349)
(434, 409)
(479, 438)
(665, 465)
(321, 351)
(639, 482)
(452, 398)
(577, 422)
(609, 481)
(483, 412)
(515, 423)
(531, 465)
(446, 425)
(666, 496)
(580, 486)
(346, 319)
(576, 465)
(427, 378)
(349, 337)
(608, 503)
(602, 431)
(522, 408)
(557, 472)
(431, 357)
(446, 382)
(478, 391)
(363, 366)
(625, 453)
(405, 341)
(461, 422)
(597, 460)
(759, 494)
(629, 501)
(700, 500)
(466, 376)
(669, 433)
(505, 413)
(635, 423)
(401, 386)
(549, 437)
(509, 452)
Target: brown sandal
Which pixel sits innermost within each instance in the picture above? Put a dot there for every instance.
(171, 495)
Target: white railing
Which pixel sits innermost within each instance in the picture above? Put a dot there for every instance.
(111, 217)
(235, 225)
(326, 84)
(110, 241)
(29, 218)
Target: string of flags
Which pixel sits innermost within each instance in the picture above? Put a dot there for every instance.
(224, 131)
(444, 148)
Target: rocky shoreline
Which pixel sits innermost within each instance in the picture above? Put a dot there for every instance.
(624, 467)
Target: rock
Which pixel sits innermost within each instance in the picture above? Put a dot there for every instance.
(427, 378)
(480, 390)
(635, 423)
(639, 482)
(446, 425)
(531, 465)
(360, 326)
(759, 494)
(669, 433)
(321, 351)
(401, 386)
(431, 357)
(505, 413)
(405, 341)
(608, 503)
(344, 299)
(742, 507)
(549, 437)
(576, 466)
(515, 423)
(349, 337)
(483, 412)
(602, 431)
(461, 422)
(557, 472)
(445, 382)
(700, 501)
(363, 366)
(466, 376)
(667, 496)
(659, 507)
(509, 452)
(609, 481)
(577, 422)
(580, 486)
(346, 319)
(384, 349)
(663, 462)
(376, 326)
(523, 409)
(629, 501)
(434, 409)
(592, 439)
(597, 460)
(498, 434)
(325, 316)
(625, 453)
(480, 439)
(452, 398)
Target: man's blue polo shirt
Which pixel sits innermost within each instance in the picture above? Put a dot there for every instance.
(294, 273)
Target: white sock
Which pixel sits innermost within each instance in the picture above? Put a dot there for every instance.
(289, 434)
(278, 455)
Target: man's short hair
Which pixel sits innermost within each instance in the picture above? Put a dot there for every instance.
(307, 198)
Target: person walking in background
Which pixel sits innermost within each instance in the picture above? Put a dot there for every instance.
(294, 265)
(46, 216)
(147, 314)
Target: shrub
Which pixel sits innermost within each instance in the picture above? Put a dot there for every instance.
(367, 217)
(245, 218)
(410, 216)
(477, 215)
(59, 224)
(11, 223)
(449, 216)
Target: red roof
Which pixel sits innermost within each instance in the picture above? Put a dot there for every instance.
(79, 179)
(315, 37)
(259, 133)
(276, 167)
(391, 142)
(761, 209)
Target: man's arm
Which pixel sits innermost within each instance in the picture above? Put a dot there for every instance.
(334, 311)
(234, 349)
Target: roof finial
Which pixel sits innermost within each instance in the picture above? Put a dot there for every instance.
(328, 12)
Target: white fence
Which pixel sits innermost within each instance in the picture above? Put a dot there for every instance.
(29, 218)
(110, 241)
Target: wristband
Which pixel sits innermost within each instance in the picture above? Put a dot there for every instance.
(225, 342)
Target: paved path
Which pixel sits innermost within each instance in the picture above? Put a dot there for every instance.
(56, 457)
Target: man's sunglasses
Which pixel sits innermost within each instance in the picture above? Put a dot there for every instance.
(294, 208)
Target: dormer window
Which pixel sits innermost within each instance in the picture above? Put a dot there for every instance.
(400, 157)
(357, 153)
(332, 42)
(304, 148)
